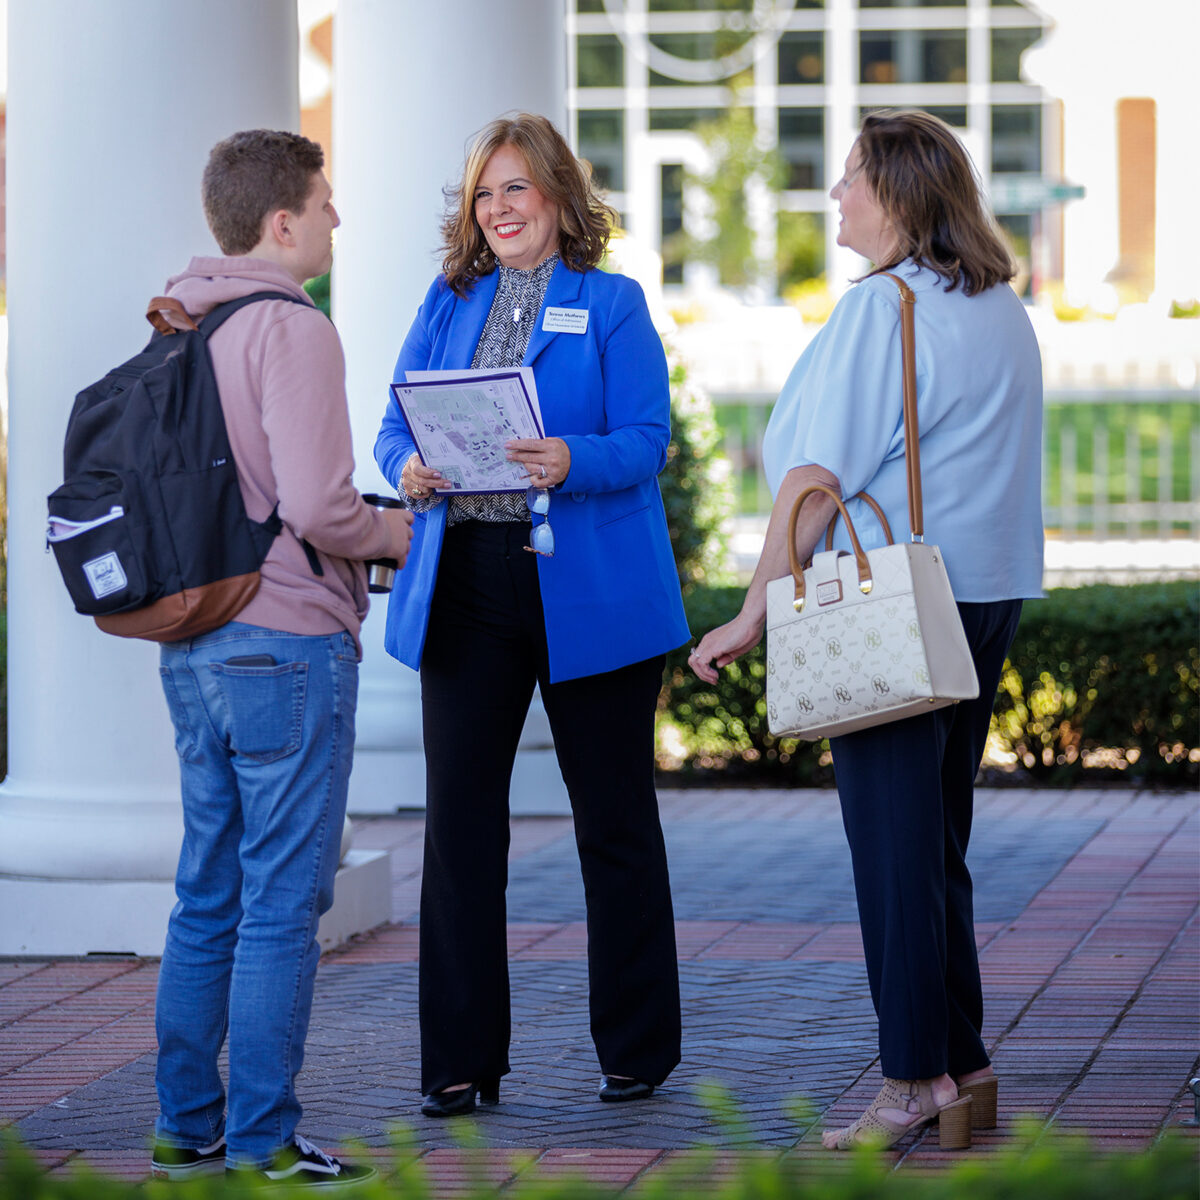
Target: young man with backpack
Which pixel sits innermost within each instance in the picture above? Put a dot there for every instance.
(263, 706)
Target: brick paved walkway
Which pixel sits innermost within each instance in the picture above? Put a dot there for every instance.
(1090, 949)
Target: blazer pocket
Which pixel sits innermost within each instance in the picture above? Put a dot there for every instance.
(625, 516)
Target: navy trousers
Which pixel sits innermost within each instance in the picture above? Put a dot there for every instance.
(485, 650)
(907, 795)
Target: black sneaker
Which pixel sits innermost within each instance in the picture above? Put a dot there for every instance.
(183, 1162)
(302, 1164)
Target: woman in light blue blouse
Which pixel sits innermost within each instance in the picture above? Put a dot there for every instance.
(910, 203)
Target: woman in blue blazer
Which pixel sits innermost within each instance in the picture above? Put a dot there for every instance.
(587, 615)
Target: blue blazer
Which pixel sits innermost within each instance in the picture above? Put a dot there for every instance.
(611, 592)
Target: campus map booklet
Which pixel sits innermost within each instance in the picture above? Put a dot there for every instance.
(460, 421)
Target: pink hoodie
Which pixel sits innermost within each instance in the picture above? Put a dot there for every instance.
(281, 375)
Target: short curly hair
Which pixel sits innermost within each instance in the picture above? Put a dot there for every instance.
(585, 222)
(254, 173)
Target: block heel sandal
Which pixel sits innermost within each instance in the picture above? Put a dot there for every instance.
(916, 1098)
(983, 1093)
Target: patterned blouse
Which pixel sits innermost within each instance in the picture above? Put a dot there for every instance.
(503, 343)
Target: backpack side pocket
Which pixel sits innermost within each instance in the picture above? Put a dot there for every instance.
(92, 531)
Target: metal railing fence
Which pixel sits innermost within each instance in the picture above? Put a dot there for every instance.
(1116, 463)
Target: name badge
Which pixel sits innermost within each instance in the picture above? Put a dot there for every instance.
(565, 320)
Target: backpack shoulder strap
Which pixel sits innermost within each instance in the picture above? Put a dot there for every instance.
(215, 317)
(211, 322)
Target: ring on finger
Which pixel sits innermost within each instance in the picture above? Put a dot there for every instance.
(543, 472)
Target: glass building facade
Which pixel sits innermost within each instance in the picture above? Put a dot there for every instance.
(646, 75)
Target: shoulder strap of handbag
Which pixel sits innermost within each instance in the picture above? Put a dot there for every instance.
(912, 447)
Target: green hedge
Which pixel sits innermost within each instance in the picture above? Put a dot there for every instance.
(1101, 682)
(1025, 1168)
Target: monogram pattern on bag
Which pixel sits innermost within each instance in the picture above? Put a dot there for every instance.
(841, 663)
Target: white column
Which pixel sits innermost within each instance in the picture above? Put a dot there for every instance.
(412, 82)
(841, 128)
(112, 110)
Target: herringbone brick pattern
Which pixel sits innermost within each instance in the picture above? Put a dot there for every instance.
(1090, 949)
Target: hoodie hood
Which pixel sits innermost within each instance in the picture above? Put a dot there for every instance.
(208, 282)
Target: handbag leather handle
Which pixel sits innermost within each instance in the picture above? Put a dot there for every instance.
(912, 445)
(870, 501)
(162, 304)
(865, 582)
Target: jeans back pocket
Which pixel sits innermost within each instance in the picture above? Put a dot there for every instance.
(264, 707)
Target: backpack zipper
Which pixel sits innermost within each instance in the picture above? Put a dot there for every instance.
(59, 529)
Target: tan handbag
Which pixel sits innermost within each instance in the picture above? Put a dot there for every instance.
(863, 638)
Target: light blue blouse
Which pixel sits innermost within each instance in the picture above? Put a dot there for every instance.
(979, 406)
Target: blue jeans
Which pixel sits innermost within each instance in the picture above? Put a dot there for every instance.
(264, 757)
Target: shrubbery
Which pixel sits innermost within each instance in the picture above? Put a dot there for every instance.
(695, 484)
(1029, 1167)
(1107, 675)
(1100, 679)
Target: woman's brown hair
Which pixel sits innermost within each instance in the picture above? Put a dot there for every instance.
(584, 220)
(925, 182)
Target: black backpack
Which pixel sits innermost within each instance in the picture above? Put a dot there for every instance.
(149, 528)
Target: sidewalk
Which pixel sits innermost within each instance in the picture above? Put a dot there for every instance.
(1090, 949)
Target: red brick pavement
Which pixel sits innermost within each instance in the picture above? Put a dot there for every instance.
(1097, 976)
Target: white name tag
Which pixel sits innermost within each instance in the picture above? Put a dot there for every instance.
(565, 320)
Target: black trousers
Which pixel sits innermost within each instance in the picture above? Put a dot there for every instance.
(907, 795)
(485, 650)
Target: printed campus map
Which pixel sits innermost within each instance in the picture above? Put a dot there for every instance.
(462, 421)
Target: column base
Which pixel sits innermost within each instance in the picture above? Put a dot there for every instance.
(48, 918)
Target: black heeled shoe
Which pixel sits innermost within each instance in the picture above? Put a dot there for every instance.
(460, 1102)
(616, 1090)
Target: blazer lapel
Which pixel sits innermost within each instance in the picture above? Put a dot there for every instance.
(468, 320)
(561, 292)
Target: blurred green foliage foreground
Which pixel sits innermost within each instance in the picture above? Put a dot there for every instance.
(1102, 683)
(1029, 1167)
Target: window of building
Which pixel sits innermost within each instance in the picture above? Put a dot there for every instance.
(599, 61)
(699, 5)
(589, 6)
(913, 56)
(802, 58)
(601, 141)
(700, 46)
(673, 119)
(1007, 47)
(912, 3)
(802, 146)
(718, 5)
(952, 114)
(1016, 138)
(670, 223)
